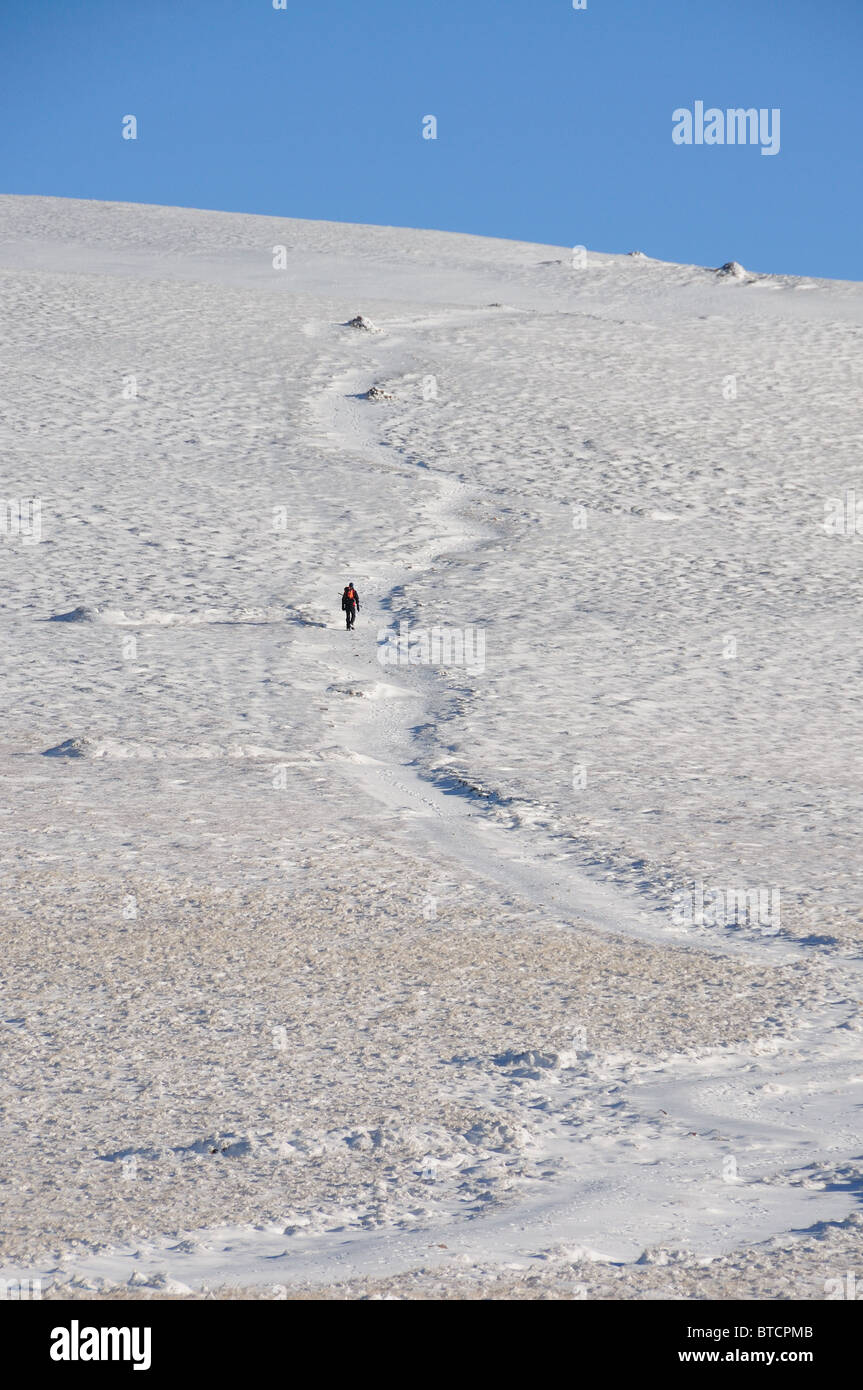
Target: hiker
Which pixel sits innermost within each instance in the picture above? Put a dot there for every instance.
(350, 605)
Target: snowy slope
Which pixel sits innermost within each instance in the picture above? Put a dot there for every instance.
(320, 969)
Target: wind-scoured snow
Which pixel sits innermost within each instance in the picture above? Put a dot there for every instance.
(329, 969)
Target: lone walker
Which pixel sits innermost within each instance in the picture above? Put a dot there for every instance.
(350, 605)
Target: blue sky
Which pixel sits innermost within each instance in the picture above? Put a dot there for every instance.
(554, 125)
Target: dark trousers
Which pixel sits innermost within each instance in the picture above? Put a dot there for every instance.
(350, 614)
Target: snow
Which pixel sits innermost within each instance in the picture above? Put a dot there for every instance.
(341, 977)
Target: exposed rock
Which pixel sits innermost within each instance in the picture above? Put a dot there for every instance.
(362, 323)
(84, 614)
(69, 748)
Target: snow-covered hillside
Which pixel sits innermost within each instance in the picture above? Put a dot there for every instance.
(402, 960)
